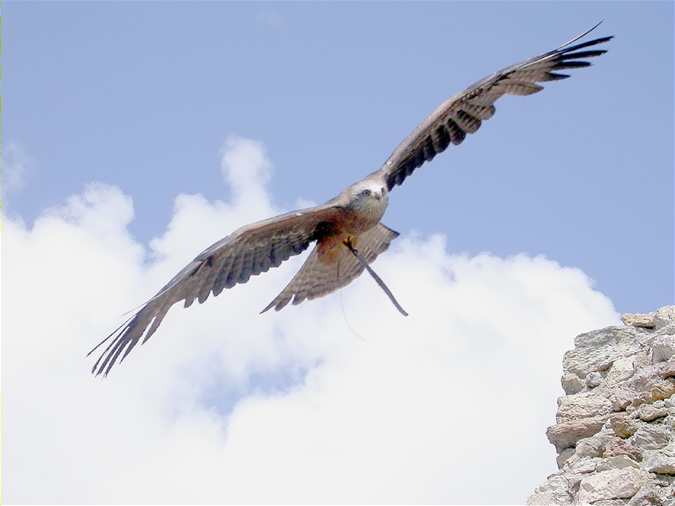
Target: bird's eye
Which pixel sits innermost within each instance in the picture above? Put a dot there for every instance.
(365, 192)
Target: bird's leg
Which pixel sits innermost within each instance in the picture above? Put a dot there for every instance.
(348, 243)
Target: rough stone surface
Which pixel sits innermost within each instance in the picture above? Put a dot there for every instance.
(639, 320)
(660, 464)
(616, 462)
(615, 427)
(571, 383)
(611, 484)
(650, 412)
(663, 348)
(651, 494)
(651, 437)
(563, 456)
(566, 434)
(593, 379)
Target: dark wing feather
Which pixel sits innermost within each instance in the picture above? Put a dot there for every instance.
(246, 252)
(464, 113)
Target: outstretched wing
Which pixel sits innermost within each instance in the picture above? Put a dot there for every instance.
(464, 113)
(246, 252)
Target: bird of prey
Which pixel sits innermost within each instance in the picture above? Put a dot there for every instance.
(346, 230)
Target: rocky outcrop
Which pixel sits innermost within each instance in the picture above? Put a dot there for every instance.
(615, 427)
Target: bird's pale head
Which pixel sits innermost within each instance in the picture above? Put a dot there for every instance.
(368, 200)
(369, 190)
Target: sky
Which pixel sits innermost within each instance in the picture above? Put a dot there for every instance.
(136, 134)
(140, 95)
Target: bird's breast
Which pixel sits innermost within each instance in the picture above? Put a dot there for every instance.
(354, 220)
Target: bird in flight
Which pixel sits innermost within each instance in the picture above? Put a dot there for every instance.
(346, 230)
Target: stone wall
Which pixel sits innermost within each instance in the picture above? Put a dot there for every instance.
(615, 425)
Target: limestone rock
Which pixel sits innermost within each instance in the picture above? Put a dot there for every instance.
(595, 445)
(649, 412)
(622, 426)
(612, 484)
(663, 348)
(593, 379)
(659, 463)
(571, 383)
(664, 316)
(614, 425)
(621, 370)
(597, 350)
(566, 434)
(620, 447)
(554, 491)
(616, 462)
(645, 321)
(652, 495)
(651, 437)
(563, 456)
(573, 407)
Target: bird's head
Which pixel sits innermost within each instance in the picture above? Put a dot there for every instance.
(368, 190)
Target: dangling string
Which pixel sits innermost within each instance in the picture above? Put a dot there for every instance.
(344, 316)
(342, 306)
(377, 278)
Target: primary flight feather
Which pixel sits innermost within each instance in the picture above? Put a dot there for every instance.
(351, 219)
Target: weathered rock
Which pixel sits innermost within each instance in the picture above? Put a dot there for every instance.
(584, 465)
(563, 456)
(593, 446)
(661, 390)
(670, 402)
(597, 350)
(610, 502)
(664, 480)
(645, 321)
(649, 412)
(659, 463)
(664, 316)
(622, 426)
(612, 484)
(566, 434)
(614, 425)
(668, 370)
(621, 447)
(571, 383)
(651, 437)
(554, 491)
(621, 399)
(663, 347)
(583, 405)
(652, 494)
(621, 370)
(593, 379)
(616, 462)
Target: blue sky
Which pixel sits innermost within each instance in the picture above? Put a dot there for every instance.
(181, 113)
(141, 95)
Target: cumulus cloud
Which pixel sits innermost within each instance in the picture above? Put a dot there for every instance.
(16, 165)
(336, 400)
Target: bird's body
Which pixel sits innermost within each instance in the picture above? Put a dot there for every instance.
(347, 229)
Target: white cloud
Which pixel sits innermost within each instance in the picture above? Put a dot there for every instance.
(16, 165)
(247, 169)
(224, 405)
